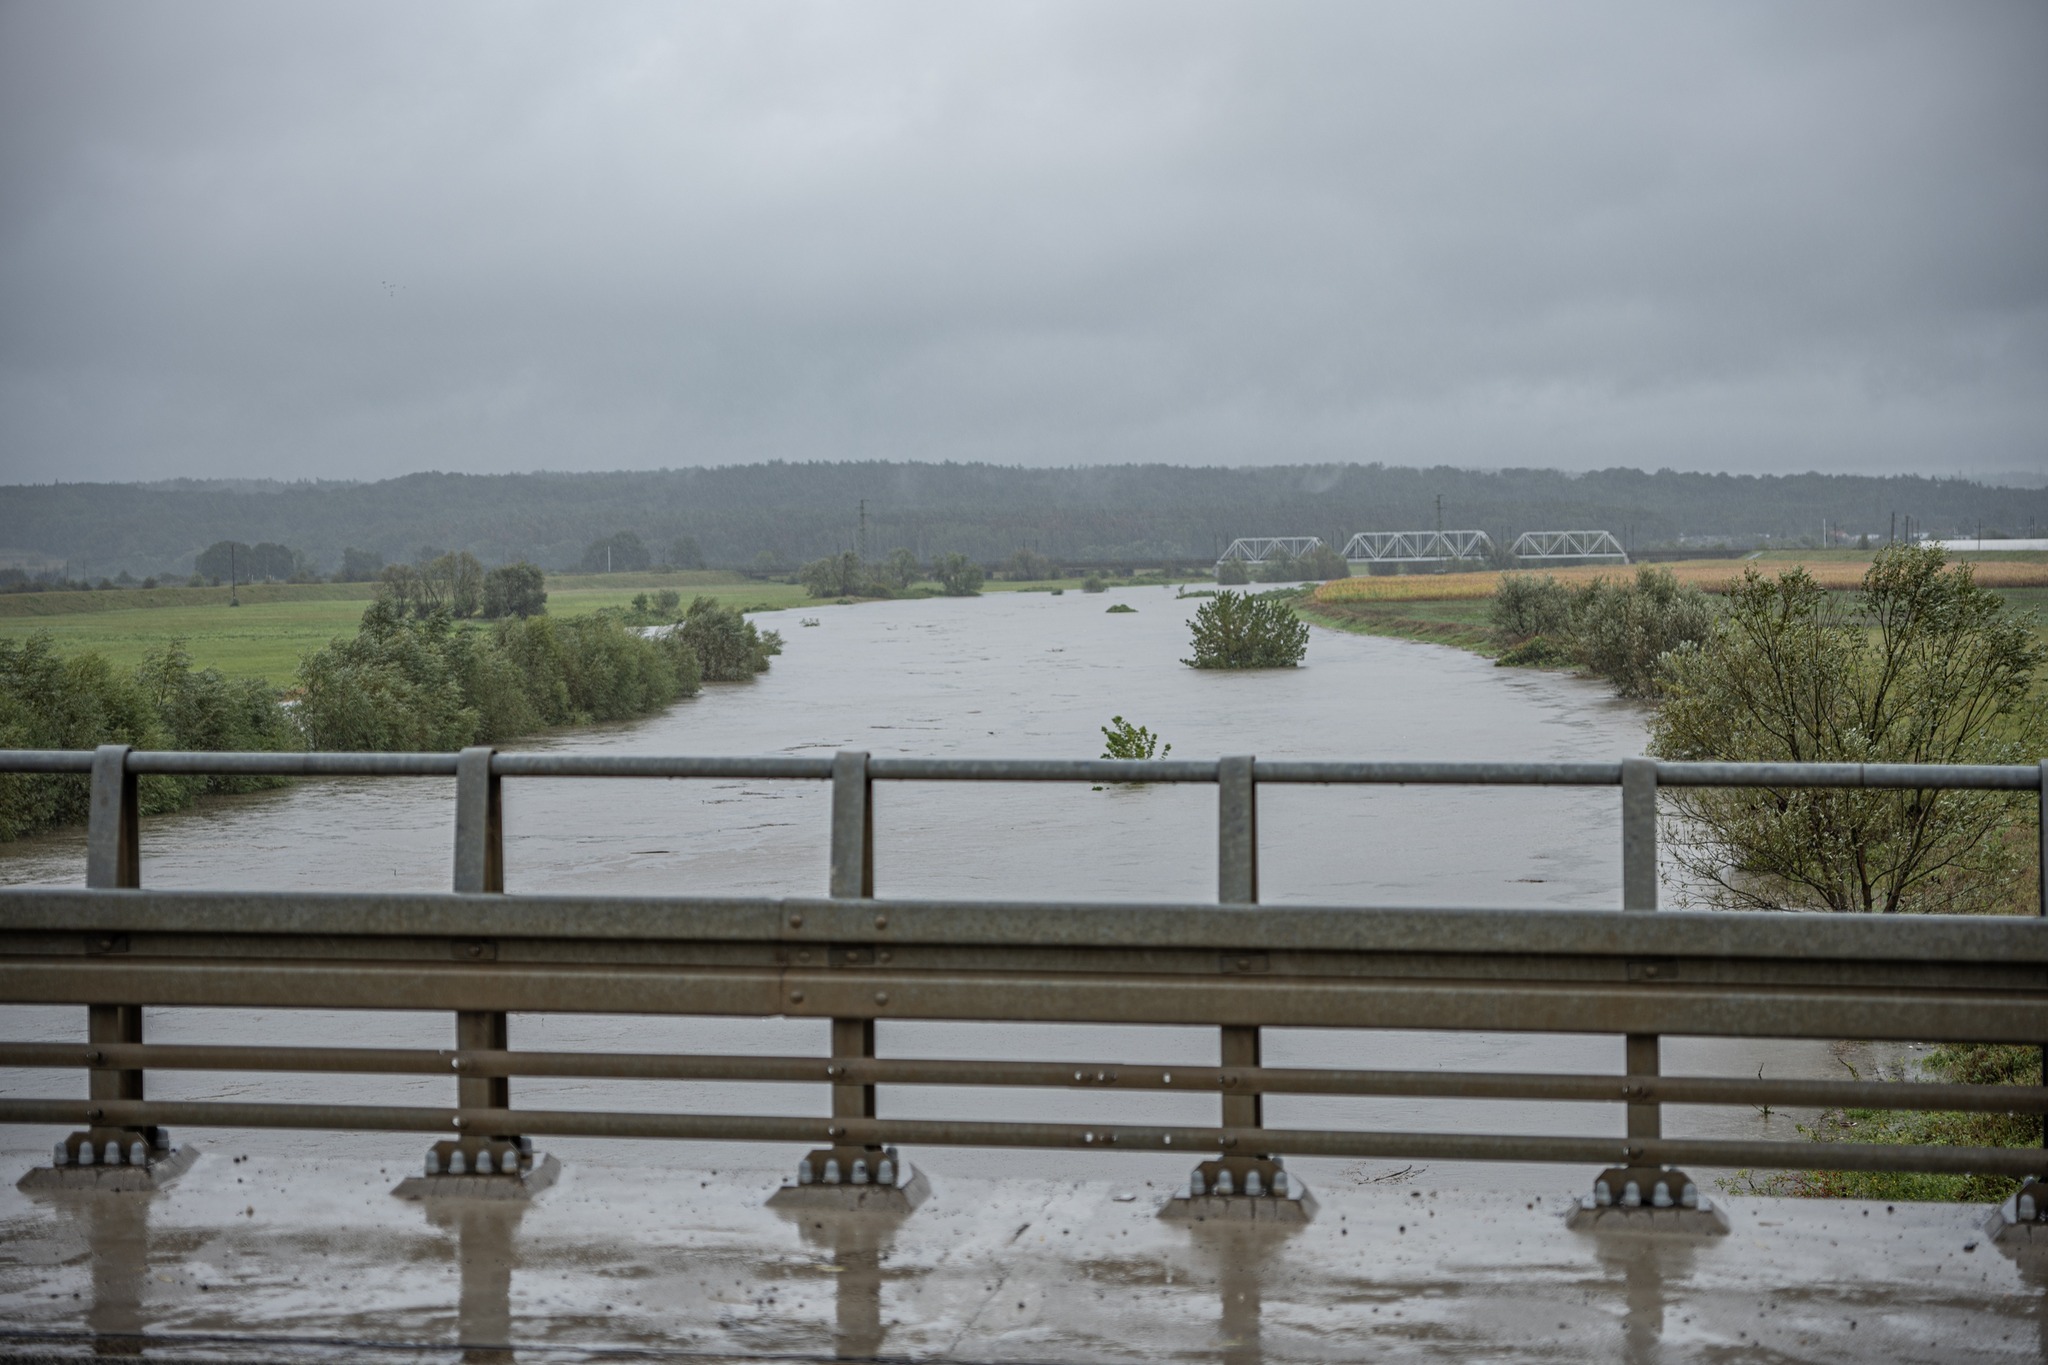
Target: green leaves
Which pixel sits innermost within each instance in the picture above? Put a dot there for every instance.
(1236, 630)
(1921, 666)
(1121, 739)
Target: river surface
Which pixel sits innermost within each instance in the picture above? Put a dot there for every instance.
(1007, 675)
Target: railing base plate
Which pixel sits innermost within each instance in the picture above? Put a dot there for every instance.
(1297, 1206)
(909, 1190)
(2006, 1227)
(154, 1175)
(1626, 1200)
(530, 1181)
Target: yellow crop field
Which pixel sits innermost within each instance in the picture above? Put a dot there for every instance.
(1710, 574)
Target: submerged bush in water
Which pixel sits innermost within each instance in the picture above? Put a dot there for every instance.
(1121, 739)
(1235, 630)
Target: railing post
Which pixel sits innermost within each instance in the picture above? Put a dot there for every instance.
(887, 1182)
(113, 861)
(1240, 1182)
(1639, 892)
(1237, 883)
(106, 1154)
(1641, 1192)
(480, 868)
(852, 878)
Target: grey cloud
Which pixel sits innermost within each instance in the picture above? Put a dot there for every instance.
(354, 240)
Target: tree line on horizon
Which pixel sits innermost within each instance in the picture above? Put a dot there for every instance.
(777, 517)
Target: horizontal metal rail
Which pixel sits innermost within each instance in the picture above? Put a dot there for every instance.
(1471, 1085)
(773, 767)
(964, 1133)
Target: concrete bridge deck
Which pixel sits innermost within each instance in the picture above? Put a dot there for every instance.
(272, 1259)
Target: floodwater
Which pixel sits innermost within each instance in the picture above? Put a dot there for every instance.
(1013, 675)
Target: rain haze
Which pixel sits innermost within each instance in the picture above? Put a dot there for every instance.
(356, 240)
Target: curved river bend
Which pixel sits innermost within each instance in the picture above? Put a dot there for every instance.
(1010, 675)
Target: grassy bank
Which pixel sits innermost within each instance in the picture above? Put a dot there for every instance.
(1964, 1064)
(1459, 622)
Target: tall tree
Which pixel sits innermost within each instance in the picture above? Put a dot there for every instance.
(1922, 666)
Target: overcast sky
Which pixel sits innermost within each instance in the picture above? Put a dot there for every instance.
(359, 239)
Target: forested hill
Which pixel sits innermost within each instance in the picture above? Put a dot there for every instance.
(793, 512)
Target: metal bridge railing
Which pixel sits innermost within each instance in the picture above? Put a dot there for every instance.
(853, 958)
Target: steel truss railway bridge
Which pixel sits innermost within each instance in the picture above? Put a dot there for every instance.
(1434, 547)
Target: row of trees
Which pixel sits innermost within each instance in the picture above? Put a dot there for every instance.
(407, 682)
(402, 682)
(625, 552)
(52, 702)
(847, 575)
(265, 561)
(457, 585)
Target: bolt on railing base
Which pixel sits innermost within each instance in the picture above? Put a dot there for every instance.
(1254, 1189)
(2023, 1219)
(481, 1168)
(871, 1179)
(1647, 1199)
(112, 1159)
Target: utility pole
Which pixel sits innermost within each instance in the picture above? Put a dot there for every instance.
(234, 599)
(860, 545)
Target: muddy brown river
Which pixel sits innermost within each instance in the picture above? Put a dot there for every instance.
(1012, 675)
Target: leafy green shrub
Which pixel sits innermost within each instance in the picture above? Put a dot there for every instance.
(1281, 568)
(515, 590)
(428, 684)
(1093, 584)
(1624, 631)
(1121, 607)
(1235, 630)
(1232, 573)
(1528, 605)
(1028, 566)
(1121, 739)
(958, 575)
(1322, 564)
(727, 646)
(1540, 651)
(48, 702)
(1922, 666)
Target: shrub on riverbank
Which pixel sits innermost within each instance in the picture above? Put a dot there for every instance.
(1963, 1064)
(428, 684)
(48, 702)
(1621, 631)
